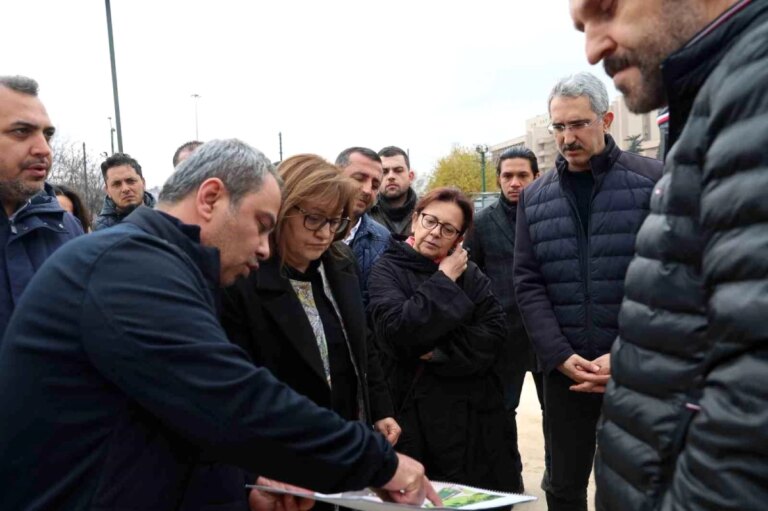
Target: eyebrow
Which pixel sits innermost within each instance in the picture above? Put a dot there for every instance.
(48, 130)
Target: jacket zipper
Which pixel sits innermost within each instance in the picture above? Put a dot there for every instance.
(584, 256)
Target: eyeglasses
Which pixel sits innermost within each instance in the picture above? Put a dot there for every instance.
(572, 126)
(314, 222)
(429, 222)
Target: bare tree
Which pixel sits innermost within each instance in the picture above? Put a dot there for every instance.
(74, 167)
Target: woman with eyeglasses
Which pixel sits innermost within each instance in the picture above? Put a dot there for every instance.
(440, 331)
(301, 314)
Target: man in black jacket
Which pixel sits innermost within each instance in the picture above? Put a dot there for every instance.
(491, 245)
(686, 412)
(397, 199)
(576, 228)
(125, 188)
(119, 379)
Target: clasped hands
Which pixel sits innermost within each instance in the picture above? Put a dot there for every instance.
(590, 376)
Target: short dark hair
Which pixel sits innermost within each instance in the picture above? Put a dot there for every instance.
(79, 210)
(518, 152)
(191, 145)
(118, 159)
(392, 150)
(342, 160)
(20, 84)
(449, 194)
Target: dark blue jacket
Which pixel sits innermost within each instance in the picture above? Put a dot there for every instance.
(119, 379)
(37, 229)
(370, 241)
(110, 216)
(569, 283)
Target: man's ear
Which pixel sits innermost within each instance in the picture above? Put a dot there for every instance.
(411, 175)
(209, 197)
(607, 120)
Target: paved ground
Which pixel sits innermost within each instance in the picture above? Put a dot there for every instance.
(531, 444)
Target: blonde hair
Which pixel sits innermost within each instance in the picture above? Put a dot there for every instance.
(308, 177)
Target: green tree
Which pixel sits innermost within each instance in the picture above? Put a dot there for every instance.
(461, 168)
(635, 144)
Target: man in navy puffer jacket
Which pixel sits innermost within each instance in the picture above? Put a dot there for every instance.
(576, 229)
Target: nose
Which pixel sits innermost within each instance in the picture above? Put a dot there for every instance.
(367, 188)
(598, 43)
(41, 147)
(324, 232)
(516, 183)
(262, 251)
(568, 136)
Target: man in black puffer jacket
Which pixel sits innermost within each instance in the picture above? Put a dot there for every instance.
(686, 414)
(576, 229)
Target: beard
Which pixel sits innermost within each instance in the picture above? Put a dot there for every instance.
(681, 21)
(16, 191)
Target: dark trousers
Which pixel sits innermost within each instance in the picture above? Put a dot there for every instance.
(571, 422)
(514, 380)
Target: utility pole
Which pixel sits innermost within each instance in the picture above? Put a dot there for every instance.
(196, 97)
(111, 135)
(280, 140)
(114, 78)
(85, 175)
(482, 149)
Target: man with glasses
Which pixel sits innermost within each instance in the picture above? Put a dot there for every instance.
(576, 229)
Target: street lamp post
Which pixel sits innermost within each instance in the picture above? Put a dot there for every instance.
(114, 78)
(482, 149)
(196, 97)
(111, 135)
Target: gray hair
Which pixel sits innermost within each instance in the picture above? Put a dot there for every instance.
(240, 167)
(20, 84)
(582, 84)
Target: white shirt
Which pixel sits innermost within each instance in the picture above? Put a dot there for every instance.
(352, 232)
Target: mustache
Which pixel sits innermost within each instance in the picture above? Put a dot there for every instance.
(573, 146)
(616, 63)
(36, 161)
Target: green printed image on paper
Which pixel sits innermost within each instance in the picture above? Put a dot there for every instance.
(458, 497)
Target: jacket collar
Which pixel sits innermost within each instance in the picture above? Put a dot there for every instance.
(184, 236)
(504, 219)
(398, 213)
(110, 208)
(685, 71)
(43, 203)
(600, 163)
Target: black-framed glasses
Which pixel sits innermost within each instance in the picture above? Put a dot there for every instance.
(558, 127)
(315, 222)
(429, 222)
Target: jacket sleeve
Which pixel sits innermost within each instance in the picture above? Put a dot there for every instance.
(378, 390)
(413, 325)
(474, 347)
(723, 461)
(539, 319)
(168, 352)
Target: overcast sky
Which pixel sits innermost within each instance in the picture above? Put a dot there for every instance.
(421, 75)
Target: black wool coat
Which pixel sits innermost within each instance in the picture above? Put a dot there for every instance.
(263, 315)
(491, 245)
(451, 406)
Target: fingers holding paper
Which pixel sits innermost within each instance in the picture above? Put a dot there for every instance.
(265, 501)
(409, 484)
